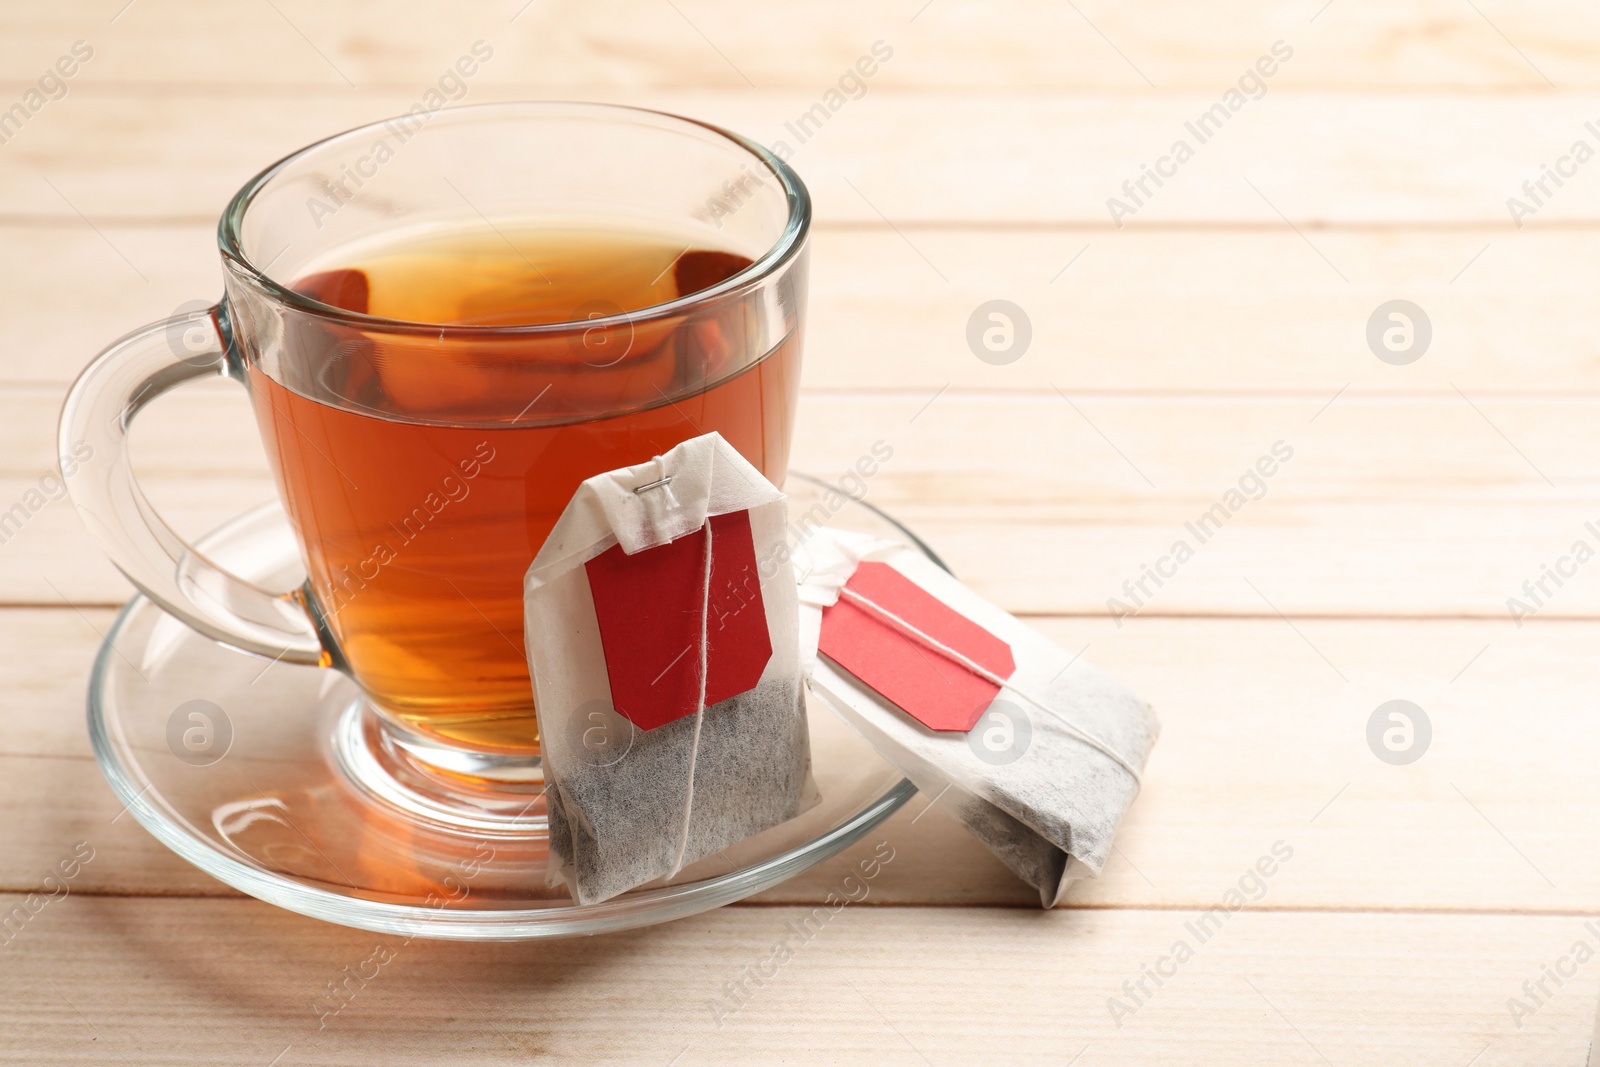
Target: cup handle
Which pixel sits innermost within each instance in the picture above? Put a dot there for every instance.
(93, 437)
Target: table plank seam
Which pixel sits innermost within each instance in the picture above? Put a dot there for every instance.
(54, 220)
(1545, 617)
(227, 893)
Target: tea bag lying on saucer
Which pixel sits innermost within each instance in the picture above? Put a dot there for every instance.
(1037, 753)
(660, 618)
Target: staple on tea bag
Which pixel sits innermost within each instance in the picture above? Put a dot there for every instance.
(661, 631)
(1037, 753)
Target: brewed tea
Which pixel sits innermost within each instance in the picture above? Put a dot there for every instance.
(425, 476)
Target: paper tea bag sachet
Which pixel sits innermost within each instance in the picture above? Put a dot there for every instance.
(1037, 753)
(661, 618)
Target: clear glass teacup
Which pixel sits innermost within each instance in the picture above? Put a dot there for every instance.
(446, 322)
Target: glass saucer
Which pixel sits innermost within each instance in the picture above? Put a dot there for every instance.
(243, 767)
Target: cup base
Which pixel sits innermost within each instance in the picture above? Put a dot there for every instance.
(443, 758)
(459, 788)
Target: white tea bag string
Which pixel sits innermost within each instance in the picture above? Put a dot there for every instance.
(699, 704)
(934, 644)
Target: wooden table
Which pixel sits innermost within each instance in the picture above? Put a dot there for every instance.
(1227, 313)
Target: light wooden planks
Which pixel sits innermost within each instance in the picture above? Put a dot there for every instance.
(1203, 312)
(1444, 559)
(99, 980)
(1036, 451)
(1027, 161)
(1409, 503)
(1263, 740)
(1100, 47)
(1433, 505)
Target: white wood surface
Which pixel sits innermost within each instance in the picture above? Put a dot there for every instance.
(877, 985)
(1254, 312)
(1227, 314)
(1098, 48)
(1445, 160)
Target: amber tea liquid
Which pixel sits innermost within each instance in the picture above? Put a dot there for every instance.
(418, 531)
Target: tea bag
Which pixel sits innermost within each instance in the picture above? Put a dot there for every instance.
(661, 630)
(1037, 753)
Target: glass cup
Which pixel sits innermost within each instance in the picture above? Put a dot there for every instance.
(422, 464)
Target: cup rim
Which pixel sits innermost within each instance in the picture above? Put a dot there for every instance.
(784, 249)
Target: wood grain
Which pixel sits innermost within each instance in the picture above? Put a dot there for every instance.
(1158, 312)
(1229, 312)
(1040, 450)
(1264, 739)
(1094, 46)
(1031, 161)
(97, 980)
(1391, 506)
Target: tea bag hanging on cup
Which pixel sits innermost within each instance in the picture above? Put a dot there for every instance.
(661, 625)
(1037, 753)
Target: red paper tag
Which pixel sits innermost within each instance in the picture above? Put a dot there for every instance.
(648, 607)
(932, 688)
